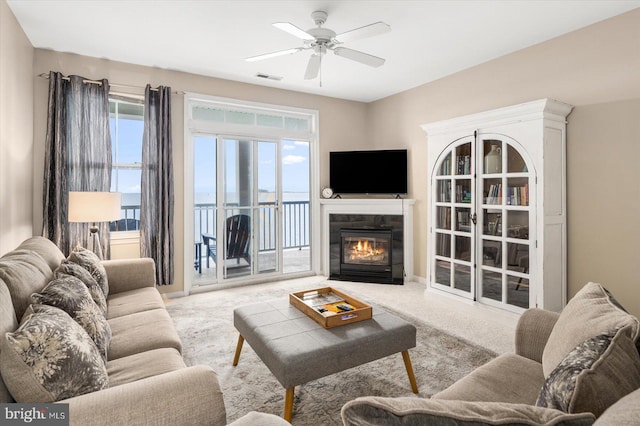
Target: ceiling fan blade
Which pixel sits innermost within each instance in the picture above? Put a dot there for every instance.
(362, 32)
(274, 54)
(355, 55)
(313, 67)
(294, 31)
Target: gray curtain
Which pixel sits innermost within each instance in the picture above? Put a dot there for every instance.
(77, 156)
(156, 204)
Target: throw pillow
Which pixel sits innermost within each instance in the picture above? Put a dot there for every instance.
(410, 411)
(72, 296)
(591, 312)
(50, 357)
(89, 261)
(69, 268)
(594, 375)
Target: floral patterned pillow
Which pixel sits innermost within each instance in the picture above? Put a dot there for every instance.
(594, 375)
(50, 357)
(89, 261)
(72, 296)
(69, 268)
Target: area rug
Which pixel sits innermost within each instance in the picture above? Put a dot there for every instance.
(205, 325)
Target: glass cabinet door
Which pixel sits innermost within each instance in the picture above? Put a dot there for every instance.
(504, 213)
(481, 219)
(452, 268)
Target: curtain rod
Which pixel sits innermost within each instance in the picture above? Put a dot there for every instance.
(45, 75)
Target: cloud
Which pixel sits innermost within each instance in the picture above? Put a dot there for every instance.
(293, 159)
(288, 147)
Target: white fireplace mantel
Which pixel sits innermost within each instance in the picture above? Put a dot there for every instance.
(376, 206)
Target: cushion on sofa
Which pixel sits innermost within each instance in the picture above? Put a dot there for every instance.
(90, 261)
(380, 411)
(145, 364)
(624, 412)
(72, 296)
(591, 312)
(594, 375)
(496, 382)
(142, 331)
(45, 248)
(24, 272)
(69, 268)
(133, 301)
(50, 357)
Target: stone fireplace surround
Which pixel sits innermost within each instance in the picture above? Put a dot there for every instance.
(355, 212)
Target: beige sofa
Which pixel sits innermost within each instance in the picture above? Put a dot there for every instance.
(148, 381)
(579, 367)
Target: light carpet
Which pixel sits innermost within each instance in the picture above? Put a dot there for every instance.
(205, 325)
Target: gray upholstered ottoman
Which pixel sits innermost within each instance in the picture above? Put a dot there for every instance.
(297, 350)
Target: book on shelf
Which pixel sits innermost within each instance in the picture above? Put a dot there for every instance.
(463, 194)
(464, 165)
(444, 219)
(518, 195)
(494, 194)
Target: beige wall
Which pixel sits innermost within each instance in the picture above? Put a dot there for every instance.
(597, 69)
(16, 132)
(603, 196)
(342, 123)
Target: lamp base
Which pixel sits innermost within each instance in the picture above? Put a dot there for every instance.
(95, 241)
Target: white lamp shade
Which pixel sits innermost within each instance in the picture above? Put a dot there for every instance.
(94, 206)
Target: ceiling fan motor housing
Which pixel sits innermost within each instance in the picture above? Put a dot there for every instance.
(322, 35)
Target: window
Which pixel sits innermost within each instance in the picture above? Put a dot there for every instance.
(126, 121)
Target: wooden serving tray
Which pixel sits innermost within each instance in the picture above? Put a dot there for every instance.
(308, 302)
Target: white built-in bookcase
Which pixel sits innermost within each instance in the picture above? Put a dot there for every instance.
(497, 214)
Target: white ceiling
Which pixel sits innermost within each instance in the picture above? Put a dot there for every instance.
(428, 40)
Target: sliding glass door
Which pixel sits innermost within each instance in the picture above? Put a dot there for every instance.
(250, 207)
(242, 226)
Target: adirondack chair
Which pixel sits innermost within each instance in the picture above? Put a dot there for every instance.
(238, 237)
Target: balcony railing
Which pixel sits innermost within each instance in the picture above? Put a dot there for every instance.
(295, 231)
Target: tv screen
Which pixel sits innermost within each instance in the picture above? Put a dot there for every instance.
(368, 172)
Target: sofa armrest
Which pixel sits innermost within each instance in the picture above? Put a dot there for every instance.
(130, 274)
(375, 410)
(189, 396)
(532, 332)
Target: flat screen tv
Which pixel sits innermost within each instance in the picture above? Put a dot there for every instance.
(368, 172)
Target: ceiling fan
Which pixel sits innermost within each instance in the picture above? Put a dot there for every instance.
(321, 39)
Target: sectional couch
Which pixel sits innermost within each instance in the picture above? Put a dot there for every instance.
(115, 358)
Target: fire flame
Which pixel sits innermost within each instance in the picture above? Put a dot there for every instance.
(363, 249)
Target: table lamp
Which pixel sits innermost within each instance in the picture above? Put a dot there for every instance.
(93, 207)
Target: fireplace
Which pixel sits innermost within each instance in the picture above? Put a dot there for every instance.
(366, 248)
(365, 254)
